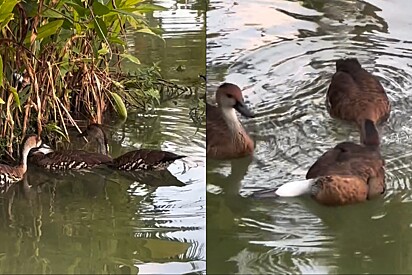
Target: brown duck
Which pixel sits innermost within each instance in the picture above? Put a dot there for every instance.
(13, 174)
(346, 174)
(47, 158)
(226, 138)
(141, 159)
(356, 95)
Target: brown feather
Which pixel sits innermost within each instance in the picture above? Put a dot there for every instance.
(12, 174)
(340, 190)
(346, 171)
(356, 95)
(221, 143)
(69, 160)
(144, 159)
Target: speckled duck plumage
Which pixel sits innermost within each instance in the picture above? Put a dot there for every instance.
(46, 158)
(141, 159)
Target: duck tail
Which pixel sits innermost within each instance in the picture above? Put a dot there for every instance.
(289, 189)
(369, 133)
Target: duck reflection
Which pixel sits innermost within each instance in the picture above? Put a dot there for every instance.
(56, 228)
(153, 178)
(231, 183)
(223, 213)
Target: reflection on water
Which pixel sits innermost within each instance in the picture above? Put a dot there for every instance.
(116, 222)
(110, 221)
(182, 56)
(284, 61)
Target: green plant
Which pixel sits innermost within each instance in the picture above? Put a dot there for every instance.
(69, 52)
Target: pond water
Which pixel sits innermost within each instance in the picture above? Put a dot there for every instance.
(282, 54)
(118, 223)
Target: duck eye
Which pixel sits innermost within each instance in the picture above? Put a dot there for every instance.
(229, 96)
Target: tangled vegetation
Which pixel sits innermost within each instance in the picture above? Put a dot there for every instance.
(70, 52)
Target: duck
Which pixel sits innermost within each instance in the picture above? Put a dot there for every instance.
(12, 174)
(47, 158)
(356, 95)
(226, 137)
(141, 159)
(345, 174)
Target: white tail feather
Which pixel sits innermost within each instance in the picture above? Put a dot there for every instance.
(295, 188)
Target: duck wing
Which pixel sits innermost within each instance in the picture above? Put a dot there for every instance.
(70, 160)
(348, 159)
(144, 159)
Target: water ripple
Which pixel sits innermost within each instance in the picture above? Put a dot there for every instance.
(284, 66)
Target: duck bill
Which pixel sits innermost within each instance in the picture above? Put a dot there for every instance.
(243, 109)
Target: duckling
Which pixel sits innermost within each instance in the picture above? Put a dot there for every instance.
(226, 138)
(356, 95)
(13, 174)
(346, 174)
(141, 159)
(47, 158)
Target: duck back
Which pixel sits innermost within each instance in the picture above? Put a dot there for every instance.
(69, 160)
(144, 159)
(351, 159)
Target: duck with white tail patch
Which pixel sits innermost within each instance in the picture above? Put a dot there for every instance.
(346, 174)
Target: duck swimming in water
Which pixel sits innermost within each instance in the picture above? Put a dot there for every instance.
(141, 159)
(346, 174)
(12, 174)
(356, 95)
(226, 138)
(47, 158)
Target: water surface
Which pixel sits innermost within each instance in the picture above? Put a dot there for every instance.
(282, 54)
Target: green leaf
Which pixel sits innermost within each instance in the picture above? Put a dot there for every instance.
(53, 128)
(16, 96)
(30, 8)
(100, 28)
(104, 49)
(128, 3)
(2, 101)
(131, 58)
(116, 40)
(146, 30)
(50, 13)
(76, 18)
(8, 6)
(82, 11)
(104, 2)
(119, 105)
(1, 72)
(150, 7)
(130, 12)
(5, 19)
(100, 9)
(45, 30)
(150, 32)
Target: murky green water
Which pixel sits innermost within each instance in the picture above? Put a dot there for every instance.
(282, 53)
(117, 223)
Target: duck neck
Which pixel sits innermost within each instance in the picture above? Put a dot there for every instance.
(233, 123)
(23, 161)
(102, 146)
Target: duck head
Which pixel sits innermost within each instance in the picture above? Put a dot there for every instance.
(32, 141)
(348, 65)
(230, 96)
(95, 131)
